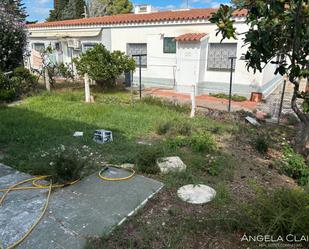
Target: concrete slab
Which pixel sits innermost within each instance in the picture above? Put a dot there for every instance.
(91, 207)
(196, 194)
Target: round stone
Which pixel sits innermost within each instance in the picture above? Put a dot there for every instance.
(196, 194)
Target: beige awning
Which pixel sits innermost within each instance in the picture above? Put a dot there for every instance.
(65, 33)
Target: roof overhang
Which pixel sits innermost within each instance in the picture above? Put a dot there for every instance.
(65, 33)
(189, 37)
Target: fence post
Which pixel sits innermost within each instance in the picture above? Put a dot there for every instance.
(87, 88)
(281, 102)
(140, 76)
(231, 82)
(47, 80)
(193, 103)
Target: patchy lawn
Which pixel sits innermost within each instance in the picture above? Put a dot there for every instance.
(218, 150)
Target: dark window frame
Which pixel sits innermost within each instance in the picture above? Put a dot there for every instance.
(164, 45)
(40, 43)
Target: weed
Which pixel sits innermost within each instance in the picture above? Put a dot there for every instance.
(261, 145)
(176, 106)
(202, 142)
(146, 159)
(223, 195)
(175, 127)
(294, 165)
(68, 167)
(281, 212)
(163, 128)
(235, 97)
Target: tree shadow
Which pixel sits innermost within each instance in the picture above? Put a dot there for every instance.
(30, 141)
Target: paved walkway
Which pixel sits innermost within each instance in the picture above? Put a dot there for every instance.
(91, 207)
(202, 100)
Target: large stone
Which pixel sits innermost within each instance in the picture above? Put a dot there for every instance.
(196, 194)
(171, 164)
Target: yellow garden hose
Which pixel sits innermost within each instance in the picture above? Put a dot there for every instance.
(41, 215)
(36, 185)
(116, 179)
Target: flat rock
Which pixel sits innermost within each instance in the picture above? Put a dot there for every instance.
(196, 194)
(171, 164)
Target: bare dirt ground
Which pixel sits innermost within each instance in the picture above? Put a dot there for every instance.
(168, 222)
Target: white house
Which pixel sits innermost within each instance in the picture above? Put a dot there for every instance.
(181, 48)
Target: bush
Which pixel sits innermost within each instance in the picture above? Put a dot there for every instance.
(202, 142)
(68, 167)
(7, 95)
(173, 105)
(176, 127)
(294, 165)
(146, 160)
(7, 92)
(20, 82)
(163, 128)
(235, 97)
(281, 212)
(104, 66)
(261, 145)
(23, 81)
(65, 71)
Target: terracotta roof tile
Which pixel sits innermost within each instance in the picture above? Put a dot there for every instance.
(190, 37)
(192, 14)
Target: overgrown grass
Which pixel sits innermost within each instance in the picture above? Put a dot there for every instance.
(32, 131)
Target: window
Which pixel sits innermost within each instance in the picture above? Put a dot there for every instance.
(169, 45)
(137, 49)
(40, 47)
(218, 55)
(87, 46)
(143, 8)
(58, 46)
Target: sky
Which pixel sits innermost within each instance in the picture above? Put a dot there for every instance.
(39, 9)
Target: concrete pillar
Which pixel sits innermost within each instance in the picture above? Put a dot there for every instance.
(47, 80)
(87, 88)
(193, 102)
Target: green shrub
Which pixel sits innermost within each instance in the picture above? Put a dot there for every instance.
(217, 164)
(20, 82)
(261, 145)
(102, 65)
(7, 95)
(173, 105)
(235, 97)
(294, 165)
(177, 142)
(281, 212)
(68, 167)
(174, 128)
(23, 81)
(146, 159)
(202, 142)
(163, 128)
(65, 71)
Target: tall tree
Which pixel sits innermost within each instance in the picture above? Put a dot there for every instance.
(277, 29)
(108, 7)
(74, 9)
(56, 13)
(12, 34)
(119, 7)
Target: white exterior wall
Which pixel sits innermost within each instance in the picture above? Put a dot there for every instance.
(172, 70)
